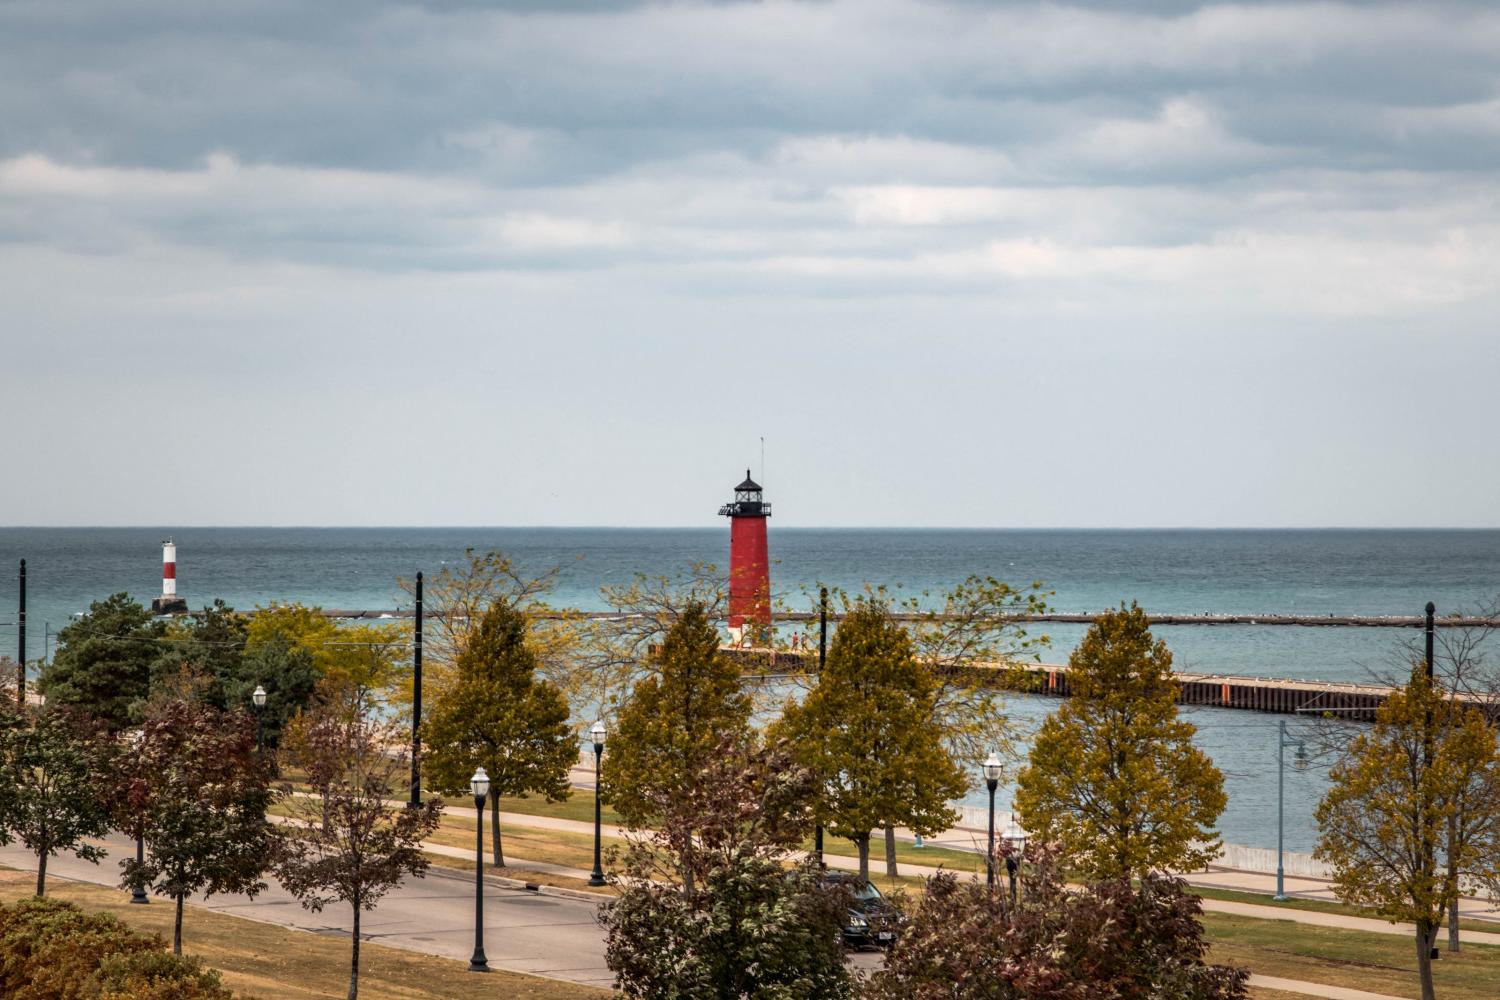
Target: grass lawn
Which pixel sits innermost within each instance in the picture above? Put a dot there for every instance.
(1380, 963)
(277, 963)
(1328, 906)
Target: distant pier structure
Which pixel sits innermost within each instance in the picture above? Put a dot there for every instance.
(749, 561)
(169, 603)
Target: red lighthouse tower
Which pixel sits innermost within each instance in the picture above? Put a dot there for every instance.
(749, 560)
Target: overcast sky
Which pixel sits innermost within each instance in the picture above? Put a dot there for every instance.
(981, 264)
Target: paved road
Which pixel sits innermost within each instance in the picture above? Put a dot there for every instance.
(546, 935)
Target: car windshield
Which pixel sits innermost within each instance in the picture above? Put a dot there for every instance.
(864, 893)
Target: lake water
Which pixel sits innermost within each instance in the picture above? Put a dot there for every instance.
(1261, 572)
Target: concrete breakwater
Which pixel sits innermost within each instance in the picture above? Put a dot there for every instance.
(1356, 702)
(1067, 618)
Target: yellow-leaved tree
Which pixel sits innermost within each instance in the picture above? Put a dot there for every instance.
(1113, 778)
(1384, 823)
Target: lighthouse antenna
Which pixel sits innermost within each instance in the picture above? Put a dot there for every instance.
(762, 458)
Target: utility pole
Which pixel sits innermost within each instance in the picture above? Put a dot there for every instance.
(822, 659)
(21, 633)
(1429, 629)
(416, 702)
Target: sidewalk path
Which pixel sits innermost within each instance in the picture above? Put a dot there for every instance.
(1241, 881)
(1317, 989)
(551, 936)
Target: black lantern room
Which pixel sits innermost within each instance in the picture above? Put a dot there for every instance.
(747, 501)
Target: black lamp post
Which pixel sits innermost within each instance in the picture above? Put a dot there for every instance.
(138, 891)
(1300, 763)
(480, 786)
(1015, 837)
(259, 699)
(598, 733)
(991, 770)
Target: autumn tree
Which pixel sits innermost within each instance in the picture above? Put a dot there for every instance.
(1383, 822)
(709, 908)
(1108, 940)
(347, 842)
(295, 625)
(970, 637)
(866, 730)
(615, 650)
(674, 719)
(201, 798)
(103, 661)
(1113, 777)
(498, 715)
(456, 598)
(55, 765)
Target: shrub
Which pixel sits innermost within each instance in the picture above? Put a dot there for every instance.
(51, 950)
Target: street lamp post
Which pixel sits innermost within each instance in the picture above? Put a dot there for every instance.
(480, 786)
(259, 699)
(598, 733)
(1016, 838)
(1300, 763)
(991, 768)
(138, 891)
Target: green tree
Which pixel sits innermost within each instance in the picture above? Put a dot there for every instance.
(198, 793)
(709, 909)
(103, 661)
(287, 674)
(55, 764)
(496, 714)
(1383, 823)
(674, 719)
(866, 729)
(1113, 776)
(210, 642)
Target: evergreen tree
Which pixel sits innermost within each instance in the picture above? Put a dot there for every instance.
(103, 662)
(868, 730)
(675, 719)
(1113, 778)
(498, 715)
(210, 643)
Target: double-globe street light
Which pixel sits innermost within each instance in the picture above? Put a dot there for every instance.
(1300, 763)
(480, 786)
(991, 768)
(598, 733)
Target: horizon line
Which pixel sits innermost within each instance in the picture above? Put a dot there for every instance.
(702, 527)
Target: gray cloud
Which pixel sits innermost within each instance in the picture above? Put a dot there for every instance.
(268, 203)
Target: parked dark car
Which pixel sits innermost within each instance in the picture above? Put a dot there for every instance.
(871, 920)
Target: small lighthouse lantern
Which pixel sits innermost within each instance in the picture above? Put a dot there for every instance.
(749, 562)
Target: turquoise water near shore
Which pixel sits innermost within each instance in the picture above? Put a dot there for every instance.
(1309, 572)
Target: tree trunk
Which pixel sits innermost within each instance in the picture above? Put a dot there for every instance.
(41, 874)
(499, 860)
(890, 851)
(1426, 935)
(863, 843)
(354, 954)
(1453, 878)
(177, 928)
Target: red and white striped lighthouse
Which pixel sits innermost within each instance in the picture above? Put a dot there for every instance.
(749, 559)
(169, 603)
